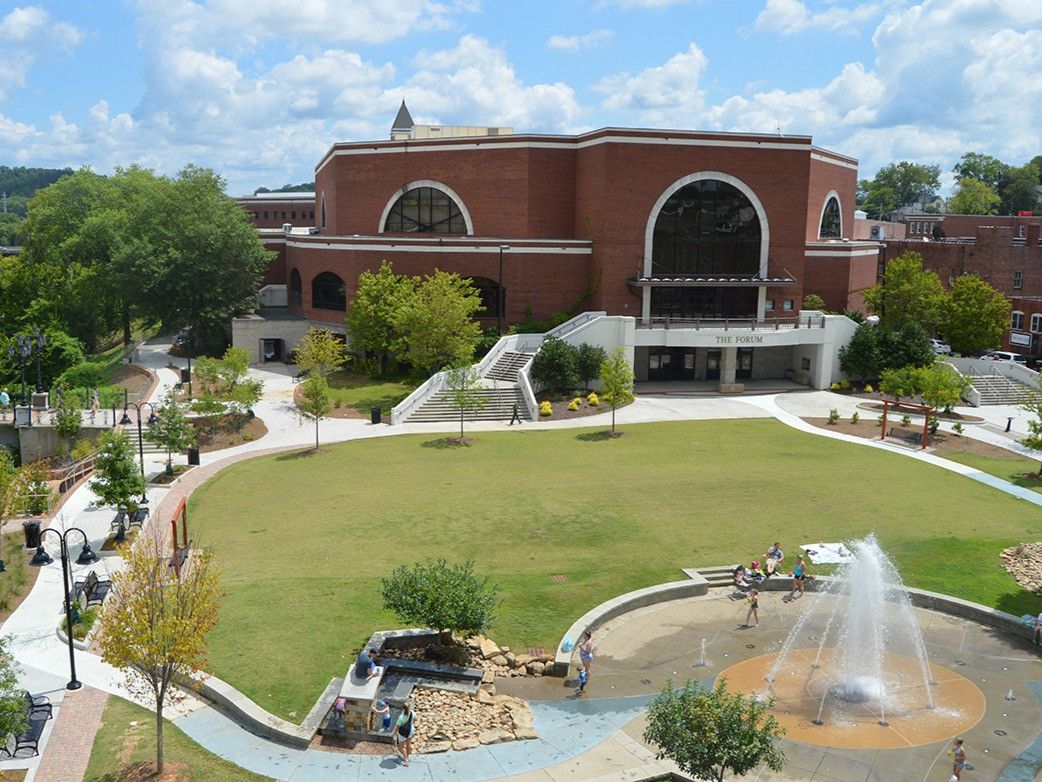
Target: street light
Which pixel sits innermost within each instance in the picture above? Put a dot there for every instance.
(499, 292)
(40, 341)
(86, 557)
(22, 353)
(125, 421)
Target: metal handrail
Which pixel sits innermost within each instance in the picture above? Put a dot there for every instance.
(726, 324)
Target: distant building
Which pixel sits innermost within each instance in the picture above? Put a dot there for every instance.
(404, 129)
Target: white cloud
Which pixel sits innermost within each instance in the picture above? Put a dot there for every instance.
(666, 95)
(25, 34)
(789, 17)
(642, 3)
(573, 43)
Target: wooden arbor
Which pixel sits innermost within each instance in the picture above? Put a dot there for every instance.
(927, 411)
(182, 549)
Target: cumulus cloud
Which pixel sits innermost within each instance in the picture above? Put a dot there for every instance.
(573, 43)
(666, 95)
(789, 17)
(25, 35)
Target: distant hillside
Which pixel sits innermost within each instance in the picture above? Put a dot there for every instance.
(303, 187)
(21, 184)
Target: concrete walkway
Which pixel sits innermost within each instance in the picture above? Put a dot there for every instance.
(594, 731)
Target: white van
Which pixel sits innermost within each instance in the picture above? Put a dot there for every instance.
(1005, 355)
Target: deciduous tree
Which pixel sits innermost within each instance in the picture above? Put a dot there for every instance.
(813, 301)
(315, 401)
(974, 198)
(441, 596)
(860, 358)
(13, 718)
(1019, 190)
(907, 294)
(371, 314)
(117, 476)
(556, 366)
(320, 352)
(616, 382)
(1034, 407)
(156, 623)
(588, 360)
(710, 733)
(987, 170)
(435, 327)
(975, 316)
(463, 383)
(171, 430)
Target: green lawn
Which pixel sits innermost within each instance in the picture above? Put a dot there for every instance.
(362, 393)
(127, 738)
(1016, 469)
(303, 539)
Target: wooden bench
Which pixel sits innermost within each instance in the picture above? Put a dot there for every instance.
(91, 590)
(915, 438)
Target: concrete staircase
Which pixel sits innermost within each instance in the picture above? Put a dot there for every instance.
(718, 576)
(508, 365)
(999, 390)
(499, 406)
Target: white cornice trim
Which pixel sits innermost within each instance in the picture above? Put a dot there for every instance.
(833, 161)
(490, 249)
(838, 253)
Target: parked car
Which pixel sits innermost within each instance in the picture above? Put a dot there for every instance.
(941, 348)
(1005, 355)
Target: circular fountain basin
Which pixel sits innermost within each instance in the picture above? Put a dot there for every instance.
(890, 712)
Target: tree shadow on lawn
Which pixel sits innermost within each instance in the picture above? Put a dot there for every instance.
(448, 443)
(1020, 603)
(291, 456)
(1027, 480)
(596, 437)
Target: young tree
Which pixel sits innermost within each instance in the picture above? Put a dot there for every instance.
(907, 294)
(465, 390)
(974, 198)
(436, 326)
(556, 366)
(588, 360)
(13, 717)
(975, 316)
(211, 408)
(234, 367)
(709, 733)
(10, 487)
(156, 623)
(245, 396)
(616, 382)
(320, 352)
(813, 301)
(315, 401)
(67, 423)
(207, 372)
(441, 596)
(371, 314)
(860, 357)
(942, 387)
(1034, 437)
(117, 476)
(171, 431)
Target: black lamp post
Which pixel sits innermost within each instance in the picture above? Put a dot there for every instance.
(20, 349)
(125, 421)
(499, 292)
(39, 340)
(86, 557)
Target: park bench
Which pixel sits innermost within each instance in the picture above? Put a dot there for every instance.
(38, 710)
(91, 590)
(301, 375)
(38, 706)
(137, 518)
(177, 561)
(915, 438)
(119, 520)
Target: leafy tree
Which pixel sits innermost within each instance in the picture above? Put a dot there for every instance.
(465, 390)
(371, 314)
(907, 294)
(1019, 190)
(435, 326)
(234, 366)
(156, 623)
(34, 487)
(975, 316)
(813, 301)
(10, 490)
(13, 717)
(171, 430)
(12, 230)
(207, 372)
(854, 315)
(974, 198)
(320, 352)
(60, 352)
(209, 407)
(303, 187)
(441, 596)
(588, 360)
(906, 180)
(67, 423)
(878, 201)
(315, 401)
(988, 170)
(709, 733)
(909, 346)
(616, 382)
(556, 366)
(941, 386)
(860, 357)
(245, 396)
(89, 374)
(117, 477)
(1034, 406)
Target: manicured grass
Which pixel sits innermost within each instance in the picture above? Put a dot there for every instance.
(362, 393)
(127, 738)
(303, 540)
(1016, 469)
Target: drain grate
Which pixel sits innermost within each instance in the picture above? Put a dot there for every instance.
(559, 577)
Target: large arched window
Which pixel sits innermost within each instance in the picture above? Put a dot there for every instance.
(328, 293)
(296, 288)
(488, 290)
(425, 210)
(706, 227)
(831, 223)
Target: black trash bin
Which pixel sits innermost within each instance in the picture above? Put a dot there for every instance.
(186, 375)
(374, 415)
(193, 456)
(32, 533)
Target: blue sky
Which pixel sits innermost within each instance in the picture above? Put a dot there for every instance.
(259, 89)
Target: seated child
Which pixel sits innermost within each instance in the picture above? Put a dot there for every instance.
(755, 574)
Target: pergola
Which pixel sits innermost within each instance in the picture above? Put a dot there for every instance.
(925, 409)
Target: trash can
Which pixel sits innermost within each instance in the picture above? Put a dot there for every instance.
(186, 375)
(32, 533)
(374, 415)
(193, 456)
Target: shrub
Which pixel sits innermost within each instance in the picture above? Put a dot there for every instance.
(588, 360)
(89, 374)
(556, 366)
(879, 420)
(935, 424)
(84, 447)
(834, 387)
(868, 389)
(957, 428)
(833, 417)
(906, 420)
(593, 399)
(575, 404)
(545, 408)
(441, 596)
(844, 384)
(855, 417)
(81, 627)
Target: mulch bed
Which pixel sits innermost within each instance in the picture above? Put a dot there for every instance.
(163, 479)
(111, 544)
(940, 443)
(339, 410)
(561, 411)
(215, 436)
(899, 410)
(137, 381)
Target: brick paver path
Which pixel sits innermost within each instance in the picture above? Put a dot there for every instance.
(68, 749)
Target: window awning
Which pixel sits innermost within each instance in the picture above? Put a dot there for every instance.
(711, 281)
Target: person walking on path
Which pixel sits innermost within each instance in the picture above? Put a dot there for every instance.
(403, 730)
(958, 753)
(585, 660)
(754, 608)
(799, 575)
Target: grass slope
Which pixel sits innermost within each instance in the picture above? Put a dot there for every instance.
(303, 540)
(127, 739)
(363, 393)
(1016, 469)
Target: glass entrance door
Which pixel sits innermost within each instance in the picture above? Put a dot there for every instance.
(744, 367)
(671, 364)
(712, 365)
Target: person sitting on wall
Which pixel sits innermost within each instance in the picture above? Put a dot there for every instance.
(755, 572)
(773, 558)
(365, 666)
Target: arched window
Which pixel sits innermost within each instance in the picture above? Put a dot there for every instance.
(488, 290)
(706, 227)
(831, 224)
(328, 293)
(296, 288)
(425, 210)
